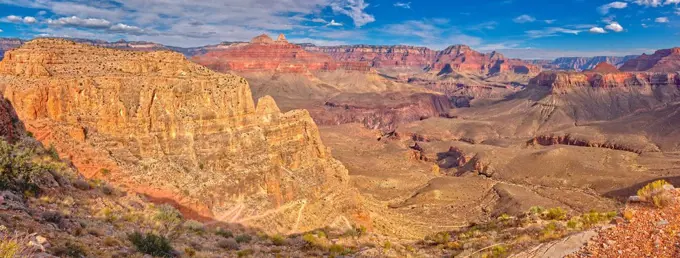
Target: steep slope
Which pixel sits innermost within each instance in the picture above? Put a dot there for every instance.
(9, 43)
(178, 132)
(664, 61)
(379, 56)
(581, 63)
(462, 58)
(604, 68)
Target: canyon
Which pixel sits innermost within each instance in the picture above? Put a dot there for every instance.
(177, 131)
(403, 142)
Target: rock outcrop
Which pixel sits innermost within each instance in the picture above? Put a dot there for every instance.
(605, 68)
(462, 58)
(457, 57)
(264, 54)
(179, 133)
(379, 56)
(664, 61)
(8, 44)
(580, 63)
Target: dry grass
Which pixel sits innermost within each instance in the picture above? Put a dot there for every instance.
(15, 246)
(656, 193)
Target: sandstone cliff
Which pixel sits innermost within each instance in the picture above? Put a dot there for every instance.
(664, 60)
(581, 63)
(264, 54)
(179, 133)
(457, 57)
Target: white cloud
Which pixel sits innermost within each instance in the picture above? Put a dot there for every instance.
(1, 30)
(553, 31)
(318, 42)
(549, 21)
(403, 5)
(644, 25)
(75, 21)
(604, 9)
(41, 13)
(14, 18)
(334, 23)
(29, 20)
(655, 3)
(355, 10)
(524, 19)
(319, 20)
(677, 11)
(615, 27)
(597, 30)
(661, 20)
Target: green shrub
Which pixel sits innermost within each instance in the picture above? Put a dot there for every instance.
(440, 238)
(151, 244)
(17, 169)
(224, 233)
(194, 226)
(536, 210)
(52, 217)
(245, 253)
(243, 238)
(278, 240)
(11, 247)
(52, 152)
(555, 214)
(499, 251)
(656, 193)
(71, 250)
(168, 215)
(229, 244)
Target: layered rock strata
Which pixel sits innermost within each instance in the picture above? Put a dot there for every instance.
(180, 133)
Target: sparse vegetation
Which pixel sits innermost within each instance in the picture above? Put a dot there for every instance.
(229, 244)
(243, 238)
(168, 216)
(71, 250)
(18, 169)
(151, 244)
(194, 226)
(224, 233)
(556, 213)
(278, 239)
(656, 193)
(11, 247)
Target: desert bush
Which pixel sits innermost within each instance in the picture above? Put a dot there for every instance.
(229, 244)
(168, 215)
(628, 215)
(593, 218)
(278, 240)
(52, 152)
(151, 244)
(656, 193)
(337, 249)
(245, 253)
(355, 232)
(18, 171)
(194, 226)
(224, 233)
(16, 246)
(243, 238)
(81, 184)
(52, 217)
(499, 251)
(536, 210)
(439, 238)
(556, 213)
(189, 251)
(315, 241)
(71, 250)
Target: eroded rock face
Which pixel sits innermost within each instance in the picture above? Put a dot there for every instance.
(7, 44)
(384, 112)
(179, 133)
(570, 80)
(264, 54)
(462, 58)
(664, 60)
(459, 58)
(379, 56)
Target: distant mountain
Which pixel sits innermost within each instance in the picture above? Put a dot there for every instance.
(581, 63)
(9, 43)
(664, 60)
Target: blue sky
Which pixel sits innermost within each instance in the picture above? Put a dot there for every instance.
(517, 28)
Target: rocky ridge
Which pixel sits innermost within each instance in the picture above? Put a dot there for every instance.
(264, 54)
(178, 132)
(663, 61)
(581, 63)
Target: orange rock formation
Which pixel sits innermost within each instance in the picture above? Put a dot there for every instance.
(179, 133)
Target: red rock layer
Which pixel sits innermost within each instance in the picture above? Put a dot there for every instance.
(605, 68)
(462, 58)
(567, 80)
(664, 60)
(380, 56)
(458, 57)
(266, 55)
(376, 113)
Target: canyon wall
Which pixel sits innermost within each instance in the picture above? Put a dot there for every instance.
(179, 133)
(664, 61)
